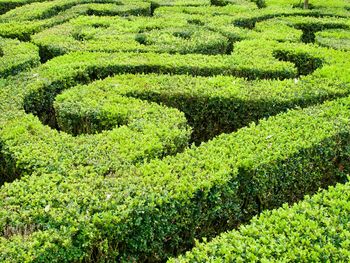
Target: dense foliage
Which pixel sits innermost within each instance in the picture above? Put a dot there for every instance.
(130, 129)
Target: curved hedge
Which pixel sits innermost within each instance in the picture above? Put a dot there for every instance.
(17, 57)
(36, 92)
(44, 10)
(97, 162)
(138, 34)
(316, 4)
(296, 28)
(21, 23)
(51, 152)
(223, 103)
(337, 39)
(314, 230)
(155, 210)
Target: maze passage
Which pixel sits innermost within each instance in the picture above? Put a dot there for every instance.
(129, 129)
(223, 104)
(39, 88)
(137, 34)
(21, 23)
(157, 209)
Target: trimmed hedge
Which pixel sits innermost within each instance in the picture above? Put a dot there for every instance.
(252, 60)
(6, 5)
(337, 39)
(168, 200)
(45, 10)
(275, 29)
(37, 90)
(21, 23)
(249, 19)
(224, 104)
(154, 130)
(296, 28)
(157, 3)
(275, 23)
(81, 110)
(53, 77)
(105, 172)
(156, 210)
(137, 34)
(319, 4)
(314, 230)
(207, 11)
(17, 57)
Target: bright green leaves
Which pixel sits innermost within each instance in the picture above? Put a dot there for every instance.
(17, 57)
(315, 229)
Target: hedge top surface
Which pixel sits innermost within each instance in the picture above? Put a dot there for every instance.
(67, 211)
(16, 57)
(96, 156)
(316, 229)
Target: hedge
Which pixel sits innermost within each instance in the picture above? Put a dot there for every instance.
(275, 23)
(223, 103)
(156, 210)
(157, 3)
(6, 5)
(337, 39)
(16, 57)
(314, 230)
(252, 60)
(154, 130)
(137, 34)
(296, 28)
(102, 171)
(162, 205)
(21, 23)
(212, 11)
(249, 19)
(316, 4)
(44, 10)
(37, 91)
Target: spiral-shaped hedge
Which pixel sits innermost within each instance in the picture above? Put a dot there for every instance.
(129, 129)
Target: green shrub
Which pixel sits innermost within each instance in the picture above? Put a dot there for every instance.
(21, 23)
(6, 5)
(16, 57)
(260, 63)
(314, 230)
(214, 12)
(196, 3)
(44, 10)
(44, 84)
(157, 209)
(223, 103)
(337, 39)
(98, 170)
(320, 4)
(296, 28)
(137, 34)
(249, 19)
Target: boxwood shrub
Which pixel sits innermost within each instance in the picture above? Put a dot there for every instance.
(17, 57)
(315, 229)
(155, 210)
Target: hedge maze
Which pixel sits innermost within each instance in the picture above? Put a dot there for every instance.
(141, 131)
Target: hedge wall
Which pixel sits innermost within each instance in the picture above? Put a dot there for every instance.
(314, 230)
(17, 57)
